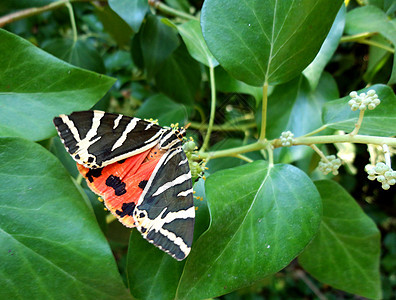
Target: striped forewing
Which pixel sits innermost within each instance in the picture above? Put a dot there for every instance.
(165, 212)
(96, 139)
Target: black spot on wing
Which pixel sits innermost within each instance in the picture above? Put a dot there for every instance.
(121, 161)
(127, 209)
(116, 183)
(93, 173)
(142, 184)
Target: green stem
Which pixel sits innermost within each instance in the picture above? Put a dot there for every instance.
(316, 131)
(308, 141)
(72, 21)
(319, 152)
(264, 112)
(110, 218)
(358, 123)
(171, 11)
(362, 38)
(212, 108)
(32, 11)
(79, 178)
(243, 157)
(356, 37)
(224, 127)
(270, 151)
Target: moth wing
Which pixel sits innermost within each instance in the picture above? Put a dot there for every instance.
(165, 212)
(96, 139)
(121, 184)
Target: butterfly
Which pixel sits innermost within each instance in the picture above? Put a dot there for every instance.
(139, 169)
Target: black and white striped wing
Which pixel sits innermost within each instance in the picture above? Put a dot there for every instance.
(96, 139)
(165, 212)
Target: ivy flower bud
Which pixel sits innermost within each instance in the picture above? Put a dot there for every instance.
(287, 138)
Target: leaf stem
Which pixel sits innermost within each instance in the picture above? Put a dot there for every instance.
(110, 218)
(316, 130)
(362, 38)
(319, 152)
(171, 11)
(72, 21)
(264, 112)
(243, 157)
(212, 108)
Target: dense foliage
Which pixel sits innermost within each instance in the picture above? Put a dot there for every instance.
(269, 224)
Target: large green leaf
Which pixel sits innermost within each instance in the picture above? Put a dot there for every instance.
(131, 11)
(196, 45)
(372, 19)
(78, 53)
(179, 77)
(294, 106)
(35, 87)
(157, 41)
(272, 41)
(314, 71)
(345, 253)
(152, 273)
(381, 121)
(262, 217)
(51, 243)
(164, 109)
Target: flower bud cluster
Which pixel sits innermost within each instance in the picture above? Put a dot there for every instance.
(364, 101)
(196, 168)
(383, 173)
(331, 165)
(287, 138)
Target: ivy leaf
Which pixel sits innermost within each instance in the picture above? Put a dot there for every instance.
(357, 22)
(164, 109)
(33, 91)
(80, 53)
(314, 71)
(157, 41)
(51, 243)
(152, 273)
(131, 11)
(296, 107)
(179, 77)
(192, 36)
(262, 217)
(381, 121)
(259, 41)
(345, 254)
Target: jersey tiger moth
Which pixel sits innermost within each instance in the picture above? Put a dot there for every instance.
(139, 169)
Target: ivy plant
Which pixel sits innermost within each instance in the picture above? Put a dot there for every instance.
(279, 100)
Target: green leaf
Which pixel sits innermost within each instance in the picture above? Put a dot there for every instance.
(345, 254)
(51, 243)
(164, 109)
(33, 91)
(157, 41)
(152, 273)
(259, 41)
(372, 19)
(381, 121)
(294, 106)
(120, 31)
(227, 84)
(179, 77)
(314, 71)
(131, 11)
(191, 34)
(80, 53)
(262, 217)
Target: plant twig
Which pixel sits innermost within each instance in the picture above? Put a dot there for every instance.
(212, 108)
(72, 21)
(243, 157)
(301, 275)
(358, 123)
(264, 112)
(224, 127)
(171, 11)
(15, 16)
